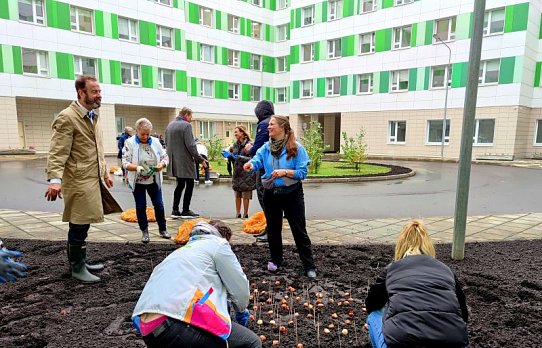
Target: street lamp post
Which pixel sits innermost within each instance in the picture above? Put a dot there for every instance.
(449, 71)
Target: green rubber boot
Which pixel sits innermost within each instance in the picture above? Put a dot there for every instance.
(78, 266)
(96, 267)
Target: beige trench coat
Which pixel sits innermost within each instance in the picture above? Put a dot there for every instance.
(76, 156)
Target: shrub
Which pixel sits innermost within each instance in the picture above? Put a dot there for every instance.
(354, 149)
(214, 147)
(313, 141)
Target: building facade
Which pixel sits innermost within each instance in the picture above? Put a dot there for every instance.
(380, 66)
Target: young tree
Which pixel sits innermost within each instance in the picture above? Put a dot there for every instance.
(313, 141)
(354, 149)
(214, 147)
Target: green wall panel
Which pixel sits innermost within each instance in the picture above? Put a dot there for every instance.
(463, 25)
(317, 54)
(17, 60)
(384, 83)
(295, 90)
(413, 40)
(218, 19)
(518, 69)
(194, 87)
(146, 76)
(221, 90)
(383, 40)
(114, 26)
(4, 9)
(180, 81)
(294, 54)
(412, 79)
(58, 14)
(348, 45)
(427, 77)
(1, 60)
(460, 74)
(516, 17)
(387, 3)
(320, 87)
(506, 70)
(244, 60)
(147, 33)
(242, 26)
(297, 18)
(65, 67)
(114, 67)
(245, 92)
(344, 85)
(323, 11)
(99, 23)
(178, 40)
(348, 8)
(537, 71)
(268, 64)
(428, 33)
(540, 31)
(193, 13)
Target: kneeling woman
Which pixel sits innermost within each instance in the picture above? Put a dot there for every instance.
(185, 301)
(143, 158)
(417, 300)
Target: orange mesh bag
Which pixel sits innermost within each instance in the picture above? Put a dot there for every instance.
(130, 215)
(113, 169)
(255, 224)
(183, 234)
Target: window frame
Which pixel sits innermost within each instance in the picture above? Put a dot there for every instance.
(452, 25)
(258, 4)
(483, 70)
(160, 37)
(311, 89)
(285, 95)
(303, 18)
(476, 135)
(311, 52)
(202, 91)
(284, 37)
(206, 128)
(235, 59)
(161, 2)
(235, 25)
(260, 26)
(79, 65)
(333, 44)
(253, 88)
(234, 88)
(282, 4)
(448, 74)
(133, 81)
(402, 2)
(161, 79)
(284, 67)
(398, 81)
(487, 21)
(337, 5)
(446, 131)
(252, 61)
(130, 34)
(537, 128)
(393, 138)
(372, 44)
(362, 2)
(335, 84)
(78, 24)
(371, 84)
(35, 16)
(202, 56)
(201, 16)
(38, 54)
(395, 43)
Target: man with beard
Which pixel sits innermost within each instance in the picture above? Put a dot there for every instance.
(77, 172)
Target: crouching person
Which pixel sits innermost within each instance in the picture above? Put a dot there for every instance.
(185, 300)
(416, 301)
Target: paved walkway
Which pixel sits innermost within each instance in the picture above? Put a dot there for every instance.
(48, 226)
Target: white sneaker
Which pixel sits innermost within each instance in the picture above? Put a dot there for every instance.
(208, 182)
(196, 182)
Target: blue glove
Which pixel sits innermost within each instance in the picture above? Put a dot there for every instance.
(226, 153)
(234, 156)
(9, 269)
(242, 317)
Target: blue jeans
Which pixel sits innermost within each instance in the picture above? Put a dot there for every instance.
(155, 193)
(206, 169)
(374, 321)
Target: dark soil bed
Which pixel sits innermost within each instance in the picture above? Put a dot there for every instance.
(502, 281)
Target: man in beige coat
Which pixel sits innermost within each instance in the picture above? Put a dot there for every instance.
(77, 172)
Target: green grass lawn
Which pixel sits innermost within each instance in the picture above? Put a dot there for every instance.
(326, 169)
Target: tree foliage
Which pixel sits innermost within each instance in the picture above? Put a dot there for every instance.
(354, 149)
(313, 141)
(214, 147)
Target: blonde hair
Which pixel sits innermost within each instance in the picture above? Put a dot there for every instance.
(291, 145)
(143, 124)
(414, 240)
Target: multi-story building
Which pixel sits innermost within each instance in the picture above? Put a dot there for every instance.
(377, 65)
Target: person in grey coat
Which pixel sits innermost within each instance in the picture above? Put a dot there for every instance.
(182, 152)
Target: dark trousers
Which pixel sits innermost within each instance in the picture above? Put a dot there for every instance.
(292, 205)
(206, 169)
(180, 334)
(259, 188)
(77, 234)
(181, 183)
(155, 193)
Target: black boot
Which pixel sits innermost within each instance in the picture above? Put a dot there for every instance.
(78, 267)
(95, 267)
(145, 238)
(165, 234)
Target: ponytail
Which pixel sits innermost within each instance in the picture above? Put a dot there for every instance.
(414, 240)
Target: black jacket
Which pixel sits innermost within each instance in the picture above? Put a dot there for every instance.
(424, 305)
(120, 143)
(242, 181)
(264, 110)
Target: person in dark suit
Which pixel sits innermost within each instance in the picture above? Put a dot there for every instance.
(128, 132)
(182, 152)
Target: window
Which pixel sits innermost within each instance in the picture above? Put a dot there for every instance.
(207, 88)
(164, 37)
(207, 129)
(365, 83)
(403, 2)
(399, 80)
(165, 78)
(397, 132)
(127, 29)
(256, 62)
(119, 124)
(81, 19)
(483, 132)
(206, 53)
(281, 95)
(333, 86)
(367, 6)
(434, 132)
(538, 133)
(233, 58)
(282, 4)
(367, 43)
(307, 50)
(445, 29)
(281, 64)
(494, 22)
(256, 93)
(257, 2)
(308, 15)
(35, 62)
(84, 66)
(334, 10)
(233, 91)
(129, 74)
(402, 36)
(489, 72)
(163, 2)
(206, 16)
(282, 32)
(257, 30)
(440, 74)
(233, 24)
(32, 11)
(306, 88)
(333, 48)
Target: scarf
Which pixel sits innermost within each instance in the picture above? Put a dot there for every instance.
(277, 146)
